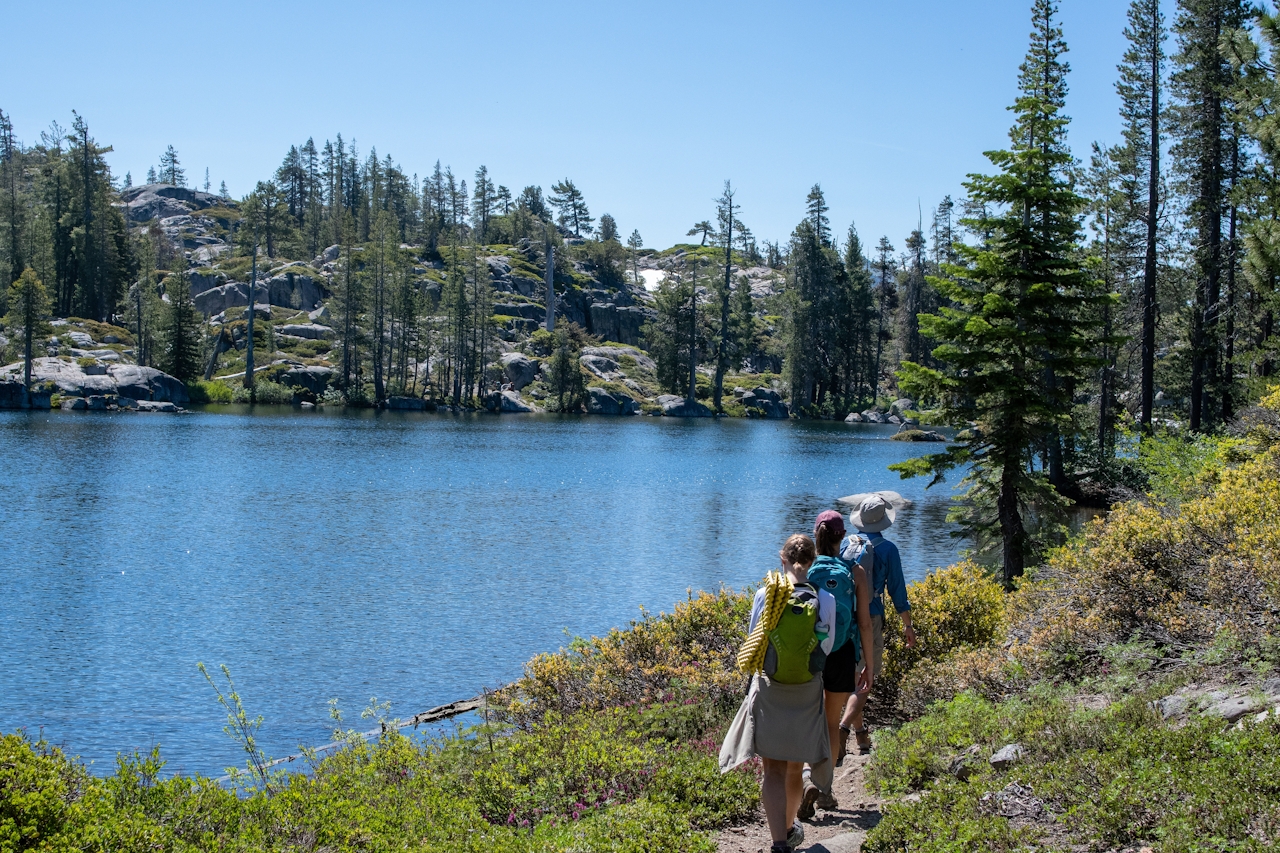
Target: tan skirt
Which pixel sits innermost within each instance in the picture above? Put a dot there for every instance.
(784, 722)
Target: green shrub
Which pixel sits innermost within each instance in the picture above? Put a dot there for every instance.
(1116, 778)
(266, 391)
(210, 392)
(955, 608)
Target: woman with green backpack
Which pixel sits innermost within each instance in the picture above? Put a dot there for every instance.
(781, 720)
(841, 676)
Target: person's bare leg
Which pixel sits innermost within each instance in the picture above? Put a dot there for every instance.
(795, 789)
(853, 713)
(775, 796)
(833, 705)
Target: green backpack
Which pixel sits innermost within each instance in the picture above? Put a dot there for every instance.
(793, 655)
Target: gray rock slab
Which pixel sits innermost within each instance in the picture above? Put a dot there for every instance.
(519, 369)
(1007, 756)
(310, 331)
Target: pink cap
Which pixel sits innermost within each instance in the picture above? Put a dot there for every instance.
(832, 519)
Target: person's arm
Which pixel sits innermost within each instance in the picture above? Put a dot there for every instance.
(862, 592)
(896, 586)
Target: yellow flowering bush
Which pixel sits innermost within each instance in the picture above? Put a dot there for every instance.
(952, 610)
(689, 652)
(1172, 579)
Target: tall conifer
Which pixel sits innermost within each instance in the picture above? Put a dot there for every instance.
(1021, 317)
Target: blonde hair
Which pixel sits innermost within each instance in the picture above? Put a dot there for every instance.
(799, 551)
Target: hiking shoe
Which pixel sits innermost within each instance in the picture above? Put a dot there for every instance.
(827, 801)
(863, 736)
(795, 837)
(844, 745)
(780, 847)
(811, 794)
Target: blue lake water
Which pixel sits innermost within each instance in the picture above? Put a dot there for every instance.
(415, 557)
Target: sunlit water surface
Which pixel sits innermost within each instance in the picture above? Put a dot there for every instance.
(416, 558)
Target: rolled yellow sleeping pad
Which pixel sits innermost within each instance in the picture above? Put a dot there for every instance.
(777, 592)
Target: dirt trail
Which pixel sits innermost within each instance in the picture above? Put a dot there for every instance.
(840, 831)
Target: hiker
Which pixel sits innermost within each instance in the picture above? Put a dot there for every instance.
(781, 719)
(870, 549)
(851, 588)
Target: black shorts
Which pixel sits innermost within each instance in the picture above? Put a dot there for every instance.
(840, 675)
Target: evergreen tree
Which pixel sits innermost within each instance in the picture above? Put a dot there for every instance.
(635, 243)
(483, 204)
(571, 207)
(1203, 82)
(28, 311)
(858, 327)
(816, 205)
(674, 335)
(886, 304)
(726, 213)
(915, 299)
(1257, 97)
(608, 229)
(703, 229)
(171, 171)
(1141, 87)
(12, 210)
(1021, 319)
(565, 378)
(182, 329)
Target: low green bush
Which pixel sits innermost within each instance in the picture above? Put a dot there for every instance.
(265, 391)
(210, 392)
(1116, 778)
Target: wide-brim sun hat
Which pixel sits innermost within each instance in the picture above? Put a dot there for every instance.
(874, 513)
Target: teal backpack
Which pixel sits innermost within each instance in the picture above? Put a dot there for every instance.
(794, 655)
(833, 575)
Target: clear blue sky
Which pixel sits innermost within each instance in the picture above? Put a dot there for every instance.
(648, 107)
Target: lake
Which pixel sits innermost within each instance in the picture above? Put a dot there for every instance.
(412, 557)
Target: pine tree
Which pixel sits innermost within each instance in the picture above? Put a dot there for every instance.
(151, 175)
(12, 210)
(704, 229)
(171, 171)
(1203, 83)
(28, 310)
(1021, 319)
(182, 327)
(816, 205)
(858, 326)
(1257, 97)
(915, 300)
(571, 206)
(483, 204)
(673, 336)
(608, 228)
(727, 214)
(635, 243)
(886, 302)
(1141, 87)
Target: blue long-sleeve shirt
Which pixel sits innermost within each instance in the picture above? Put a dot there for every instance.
(887, 574)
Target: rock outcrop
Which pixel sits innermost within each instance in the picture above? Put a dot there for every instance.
(601, 401)
(14, 395)
(765, 402)
(162, 201)
(506, 401)
(314, 378)
(125, 380)
(520, 370)
(310, 331)
(678, 407)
